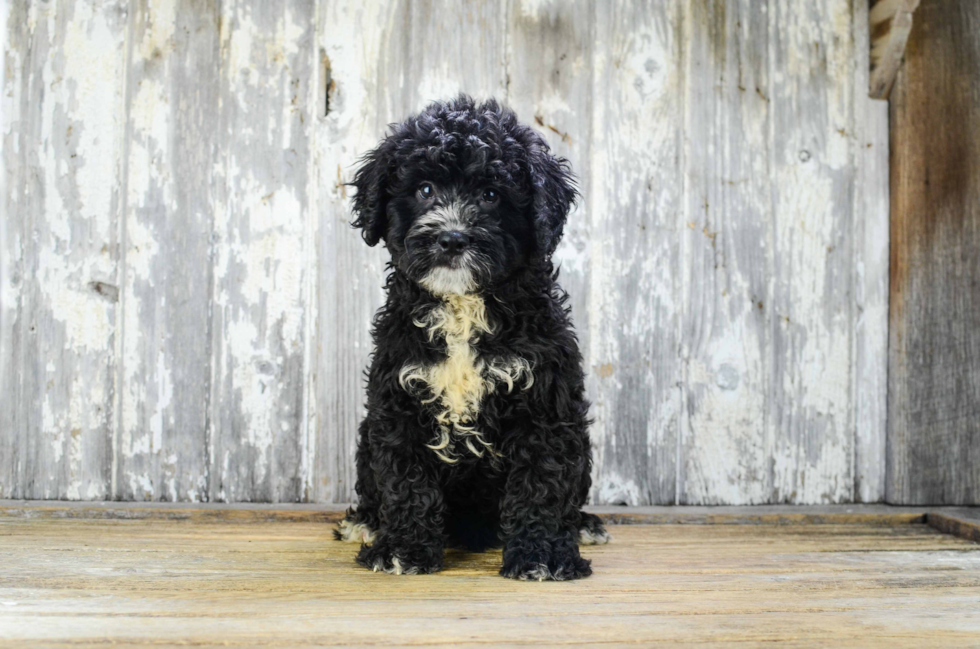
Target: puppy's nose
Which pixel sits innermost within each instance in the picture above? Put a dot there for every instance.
(453, 241)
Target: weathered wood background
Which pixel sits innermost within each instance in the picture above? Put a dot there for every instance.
(934, 381)
(184, 310)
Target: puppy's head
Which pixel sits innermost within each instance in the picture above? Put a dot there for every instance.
(463, 195)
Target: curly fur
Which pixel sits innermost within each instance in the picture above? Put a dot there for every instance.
(476, 432)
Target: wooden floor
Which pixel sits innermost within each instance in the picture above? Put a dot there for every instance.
(274, 582)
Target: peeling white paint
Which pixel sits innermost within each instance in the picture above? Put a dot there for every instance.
(56, 321)
(157, 39)
(85, 316)
(165, 394)
(633, 200)
(617, 490)
(723, 463)
(538, 9)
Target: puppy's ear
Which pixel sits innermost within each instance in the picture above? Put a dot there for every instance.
(371, 200)
(554, 194)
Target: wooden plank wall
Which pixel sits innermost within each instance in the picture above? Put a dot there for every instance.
(185, 311)
(934, 382)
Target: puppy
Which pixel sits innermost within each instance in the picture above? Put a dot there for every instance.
(476, 432)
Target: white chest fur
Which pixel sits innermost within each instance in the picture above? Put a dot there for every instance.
(457, 385)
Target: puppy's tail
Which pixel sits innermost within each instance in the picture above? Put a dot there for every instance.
(352, 529)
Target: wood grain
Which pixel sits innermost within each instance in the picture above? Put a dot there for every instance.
(964, 524)
(934, 346)
(176, 582)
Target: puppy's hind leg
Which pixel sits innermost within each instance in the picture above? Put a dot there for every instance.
(591, 531)
(360, 525)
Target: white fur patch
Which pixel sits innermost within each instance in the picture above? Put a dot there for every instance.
(355, 532)
(397, 567)
(585, 537)
(445, 217)
(538, 573)
(449, 281)
(459, 383)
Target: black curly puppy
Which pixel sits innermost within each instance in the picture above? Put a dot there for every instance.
(477, 426)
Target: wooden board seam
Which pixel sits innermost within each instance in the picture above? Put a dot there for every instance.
(955, 525)
(948, 522)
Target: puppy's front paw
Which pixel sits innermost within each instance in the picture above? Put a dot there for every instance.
(380, 557)
(556, 565)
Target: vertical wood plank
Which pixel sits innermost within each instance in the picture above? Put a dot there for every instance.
(351, 44)
(62, 108)
(870, 275)
(258, 435)
(386, 60)
(4, 11)
(934, 337)
(170, 139)
(728, 254)
(811, 54)
(10, 276)
(635, 199)
(870, 353)
(549, 84)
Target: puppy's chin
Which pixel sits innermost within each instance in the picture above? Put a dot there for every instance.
(445, 280)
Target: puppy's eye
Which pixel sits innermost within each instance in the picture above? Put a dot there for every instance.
(490, 195)
(426, 190)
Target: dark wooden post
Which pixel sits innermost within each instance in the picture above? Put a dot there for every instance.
(933, 449)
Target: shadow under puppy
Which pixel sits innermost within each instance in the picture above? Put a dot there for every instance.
(476, 432)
